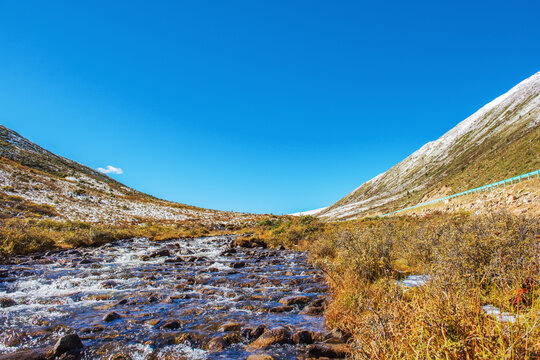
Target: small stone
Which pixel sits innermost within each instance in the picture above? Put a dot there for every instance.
(7, 302)
(294, 300)
(112, 316)
(280, 309)
(160, 253)
(238, 265)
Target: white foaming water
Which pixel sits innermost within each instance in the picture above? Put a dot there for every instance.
(184, 351)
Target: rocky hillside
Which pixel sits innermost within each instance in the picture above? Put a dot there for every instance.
(500, 140)
(78, 192)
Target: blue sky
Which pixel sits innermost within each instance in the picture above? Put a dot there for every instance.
(259, 106)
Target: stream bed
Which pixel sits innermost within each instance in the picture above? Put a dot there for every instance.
(182, 299)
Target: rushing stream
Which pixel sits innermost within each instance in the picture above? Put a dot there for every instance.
(181, 299)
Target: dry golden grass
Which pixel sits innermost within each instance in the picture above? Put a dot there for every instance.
(26, 227)
(471, 261)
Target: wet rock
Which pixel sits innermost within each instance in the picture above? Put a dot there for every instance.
(162, 340)
(40, 333)
(112, 316)
(278, 335)
(152, 322)
(228, 252)
(238, 265)
(260, 357)
(93, 329)
(14, 339)
(160, 253)
(221, 342)
(232, 338)
(171, 324)
(303, 337)
(294, 300)
(120, 357)
(320, 301)
(332, 351)
(231, 327)
(193, 338)
(335, 337)
(109, 284)
(280, 309)
(252, 333)
(37, 354)
(71, 355)
(121, 302)
(67, 343)
(175, 260)
(312, 310)
(7, 302)
(216, 344)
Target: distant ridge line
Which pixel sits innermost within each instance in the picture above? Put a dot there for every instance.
(481, 188)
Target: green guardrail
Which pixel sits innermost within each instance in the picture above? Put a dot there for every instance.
(471, 191)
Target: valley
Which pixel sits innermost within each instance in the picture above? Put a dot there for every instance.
(93, 269)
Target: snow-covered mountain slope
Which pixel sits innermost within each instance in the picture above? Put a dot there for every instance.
(313, 212)
(78, 192)
(500, 140)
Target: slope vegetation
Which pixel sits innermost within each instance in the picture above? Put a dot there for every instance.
(79, 193)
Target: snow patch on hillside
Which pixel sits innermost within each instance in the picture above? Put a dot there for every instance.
(309, 212)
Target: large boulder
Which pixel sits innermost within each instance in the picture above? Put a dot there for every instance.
(67, 343)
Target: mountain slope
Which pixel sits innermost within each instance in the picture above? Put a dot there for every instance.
(78, 192)
(500, 140)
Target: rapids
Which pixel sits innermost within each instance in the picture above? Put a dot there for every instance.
(205, 288)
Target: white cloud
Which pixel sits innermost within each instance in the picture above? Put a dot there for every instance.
(110, 170)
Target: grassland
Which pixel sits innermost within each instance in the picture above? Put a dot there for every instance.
(471, 262)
